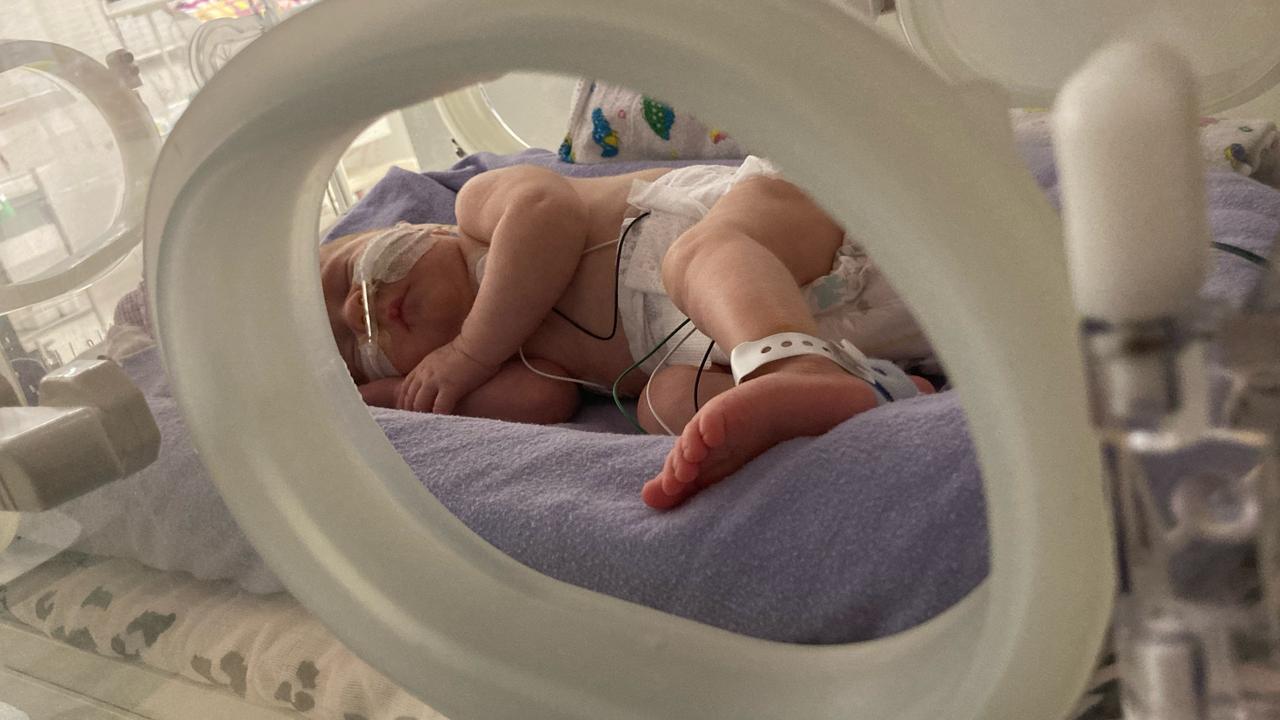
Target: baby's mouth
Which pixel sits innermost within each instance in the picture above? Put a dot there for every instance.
(395, 311)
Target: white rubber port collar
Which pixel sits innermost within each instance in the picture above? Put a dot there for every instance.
(899, 157)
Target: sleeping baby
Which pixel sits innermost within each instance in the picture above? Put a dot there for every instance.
(725, 300)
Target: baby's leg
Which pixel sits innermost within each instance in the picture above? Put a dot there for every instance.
(667, 400)
(737, 274)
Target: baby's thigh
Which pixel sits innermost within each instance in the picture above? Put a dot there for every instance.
(784, 219)
(857, 303)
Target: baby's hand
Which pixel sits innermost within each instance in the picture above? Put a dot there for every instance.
(381, 393)
(442, 380)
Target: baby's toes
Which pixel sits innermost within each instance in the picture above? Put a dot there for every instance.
(667, 478)
(656, 497)
(709, 427)
(692, 448)
(685, 471)
(678, 472)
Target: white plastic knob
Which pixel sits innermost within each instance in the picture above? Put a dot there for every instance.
(94, 427)
(1126, 134)
(51, 455)
(101, 384)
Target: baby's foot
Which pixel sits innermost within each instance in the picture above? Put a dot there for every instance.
(743, 422)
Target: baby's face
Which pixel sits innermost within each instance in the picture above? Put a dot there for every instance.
(413, 315)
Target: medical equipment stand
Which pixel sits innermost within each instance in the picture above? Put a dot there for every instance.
(1197, 624)
(1197, 506)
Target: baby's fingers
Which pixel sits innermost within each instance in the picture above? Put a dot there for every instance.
(425, 397)
(408, 391)
(382, 393)
(445, 401)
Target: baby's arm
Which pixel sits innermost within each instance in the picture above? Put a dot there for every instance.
(514, 394)
(536, 226)
(518, 395)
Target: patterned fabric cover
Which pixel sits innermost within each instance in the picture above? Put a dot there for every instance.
(204, 10)
(611, 123)
(265, 648)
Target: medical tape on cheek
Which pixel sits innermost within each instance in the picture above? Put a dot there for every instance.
(387, 258)
(373, 362)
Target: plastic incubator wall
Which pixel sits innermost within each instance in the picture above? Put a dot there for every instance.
(60, 171)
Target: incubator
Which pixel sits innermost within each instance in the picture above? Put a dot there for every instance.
(227, 137)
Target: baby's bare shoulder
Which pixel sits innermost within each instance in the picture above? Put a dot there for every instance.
(503, 185)
(484, 198)
(539, 175)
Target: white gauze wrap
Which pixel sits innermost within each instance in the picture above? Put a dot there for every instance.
(387, 258)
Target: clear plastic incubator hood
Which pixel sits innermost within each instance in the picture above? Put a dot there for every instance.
(1030, 48)
(913, 156)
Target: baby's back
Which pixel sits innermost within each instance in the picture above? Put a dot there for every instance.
(606, 200)
(589, 299)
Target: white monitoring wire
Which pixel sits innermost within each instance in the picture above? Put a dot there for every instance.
(604, 244)
(649, 400)
(605, 390)
(584, 383)
(575, 381)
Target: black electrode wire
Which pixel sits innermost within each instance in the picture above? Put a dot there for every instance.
(617, 399)
(697, 379)
(1240, 252)
(617, 274)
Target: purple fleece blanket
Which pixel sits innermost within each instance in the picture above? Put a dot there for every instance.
(865, 531)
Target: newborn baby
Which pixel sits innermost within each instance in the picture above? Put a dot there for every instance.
(726, 281)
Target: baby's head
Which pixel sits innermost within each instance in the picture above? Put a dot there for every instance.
(418, 287)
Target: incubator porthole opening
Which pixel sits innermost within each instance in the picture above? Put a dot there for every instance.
(362, 449)
(72, 153)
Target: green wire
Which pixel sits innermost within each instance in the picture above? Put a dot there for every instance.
(617, 400)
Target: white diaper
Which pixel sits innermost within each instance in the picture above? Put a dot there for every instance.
(853, 302)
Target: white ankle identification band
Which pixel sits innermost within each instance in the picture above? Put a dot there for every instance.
(748, 357)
